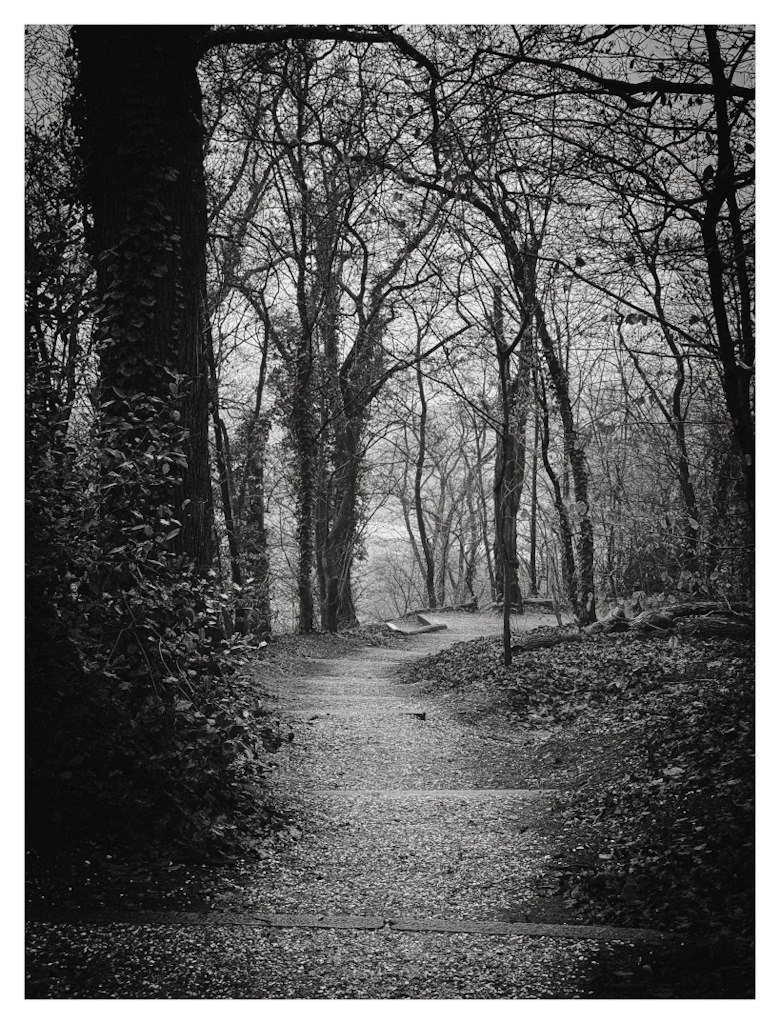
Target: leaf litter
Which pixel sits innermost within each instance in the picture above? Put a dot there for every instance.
(583, 721)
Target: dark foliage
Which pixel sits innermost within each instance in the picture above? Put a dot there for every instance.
(137, 729)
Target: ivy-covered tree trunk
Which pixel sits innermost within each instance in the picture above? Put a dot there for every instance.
(510, 458)
(139, 115)
(255, 538)
(304, 441)
(339, 468)
(339, 549)
(347, 409)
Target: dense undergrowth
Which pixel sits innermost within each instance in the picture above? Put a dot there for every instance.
(175, 766)
(662, 836)
(139, 727)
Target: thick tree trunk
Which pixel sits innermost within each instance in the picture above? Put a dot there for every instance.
(737, 365)
(338, 553)
(139, 116)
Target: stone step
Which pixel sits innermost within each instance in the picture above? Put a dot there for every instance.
(338, 692)
(425, 794)
(349, 922)
(311, 714)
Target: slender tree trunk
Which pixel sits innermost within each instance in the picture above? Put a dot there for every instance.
(510, 459)
(676, 421)
(483, 520)
(222, 461)
(427, 551)
(304, 437)
(406, 510)
(585, 604)
(256, 538)
(534, 508)
(564, 524)
(250, 509)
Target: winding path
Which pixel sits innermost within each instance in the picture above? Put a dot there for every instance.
(421, 868)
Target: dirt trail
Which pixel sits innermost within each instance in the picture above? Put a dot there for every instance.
(420, 870)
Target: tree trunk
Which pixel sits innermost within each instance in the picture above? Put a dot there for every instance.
(534, 510)
(522, 262)
(250, 507)
(140, 119)
(338, 553)
(425, 544)
(224, 474)
(483, 520)
(564, 524)
(304, 439)
(676, 421)
(255, 538)
(575, 453)
(737, 369)
(510, 458)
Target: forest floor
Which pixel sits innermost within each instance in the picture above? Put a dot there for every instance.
(429, 851)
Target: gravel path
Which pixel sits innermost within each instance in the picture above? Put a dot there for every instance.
(400, 816)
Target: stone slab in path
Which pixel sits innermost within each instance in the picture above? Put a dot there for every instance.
(367, 713)
(350, 922)
(434, 794)
(423, 624)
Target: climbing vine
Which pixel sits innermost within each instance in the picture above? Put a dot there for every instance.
(137, 728)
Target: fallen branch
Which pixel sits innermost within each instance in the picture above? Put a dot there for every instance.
(536, 643)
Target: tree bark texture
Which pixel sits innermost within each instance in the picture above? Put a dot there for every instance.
(139, 117)
(425, 544)
(510, 458)
(304, 439)
(522, 261)
(532, 554)
(569, 569)
(737, 354)
(577, 461)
